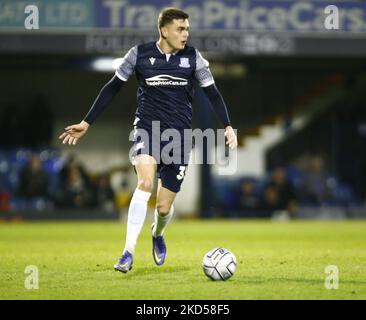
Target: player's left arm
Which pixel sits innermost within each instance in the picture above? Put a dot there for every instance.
(207, 83)
(219, 106)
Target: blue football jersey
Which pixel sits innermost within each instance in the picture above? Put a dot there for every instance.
(166, 84)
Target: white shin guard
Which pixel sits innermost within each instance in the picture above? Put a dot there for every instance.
(136, 218)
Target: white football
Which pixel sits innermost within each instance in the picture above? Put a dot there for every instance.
(219, 264)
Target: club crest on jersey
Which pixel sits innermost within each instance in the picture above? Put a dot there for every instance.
(152, 60)
(184, 63)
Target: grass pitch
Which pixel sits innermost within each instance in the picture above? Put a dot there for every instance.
(275, 260)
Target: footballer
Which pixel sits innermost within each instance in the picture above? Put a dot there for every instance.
(166, 71)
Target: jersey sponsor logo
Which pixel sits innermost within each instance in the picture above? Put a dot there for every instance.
(152, 60)
(184, 63)
(166, 80)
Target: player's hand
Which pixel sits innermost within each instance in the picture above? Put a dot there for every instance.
(74, 132)
(231, 138)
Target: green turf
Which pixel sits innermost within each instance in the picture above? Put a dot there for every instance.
(275, 260)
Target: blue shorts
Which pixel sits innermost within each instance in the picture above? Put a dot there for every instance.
(172, 156)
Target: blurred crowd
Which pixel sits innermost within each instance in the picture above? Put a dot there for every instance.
(46, 180)
(284, 190)
(55, 182)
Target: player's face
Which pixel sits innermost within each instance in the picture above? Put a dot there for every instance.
(177, 33)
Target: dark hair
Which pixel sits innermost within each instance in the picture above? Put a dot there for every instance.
(169, 14)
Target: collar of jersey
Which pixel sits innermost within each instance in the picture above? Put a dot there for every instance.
(162, 52)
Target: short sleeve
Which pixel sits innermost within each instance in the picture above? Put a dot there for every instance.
(126, 68)
(203, 73)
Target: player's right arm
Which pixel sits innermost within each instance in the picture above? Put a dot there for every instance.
(74, 132)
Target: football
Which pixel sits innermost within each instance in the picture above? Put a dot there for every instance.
(219, 264)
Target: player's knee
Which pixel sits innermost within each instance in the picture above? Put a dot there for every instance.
(146, 184)
(163, 207)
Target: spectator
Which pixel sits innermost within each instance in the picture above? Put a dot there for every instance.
(286, 196)
(270, 201)
(104, 193)
(249, 200)
(76, 190)
(122, 183)
(315, 189)
(33, 180)
(4, 201)
(72, 163)
(122, 180)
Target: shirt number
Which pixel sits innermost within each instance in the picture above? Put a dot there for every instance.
(181, 174)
